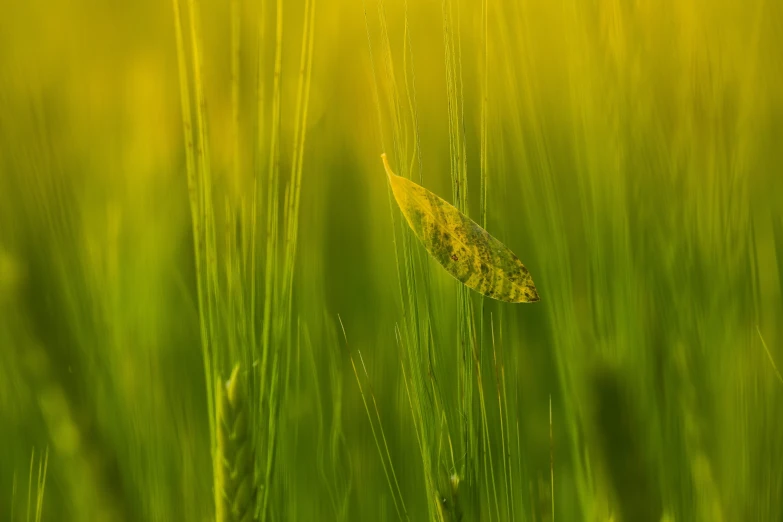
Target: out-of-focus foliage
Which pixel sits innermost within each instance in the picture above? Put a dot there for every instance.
(629, 152)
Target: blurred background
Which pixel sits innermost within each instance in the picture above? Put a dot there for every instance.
(632, 157)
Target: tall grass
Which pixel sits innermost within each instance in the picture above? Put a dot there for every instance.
(33, 508)
(226, 280)
(192, 187)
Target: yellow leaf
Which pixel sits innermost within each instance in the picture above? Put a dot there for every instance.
(461, 246)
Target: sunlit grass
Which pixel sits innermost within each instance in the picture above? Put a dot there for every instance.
(192, 186)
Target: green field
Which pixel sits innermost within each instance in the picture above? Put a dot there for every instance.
(191, 188)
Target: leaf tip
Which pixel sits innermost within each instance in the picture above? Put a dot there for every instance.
(533, 296)
(386, 165)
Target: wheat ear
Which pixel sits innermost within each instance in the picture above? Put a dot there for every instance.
(234, 479)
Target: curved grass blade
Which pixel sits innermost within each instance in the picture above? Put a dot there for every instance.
(461, 246)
